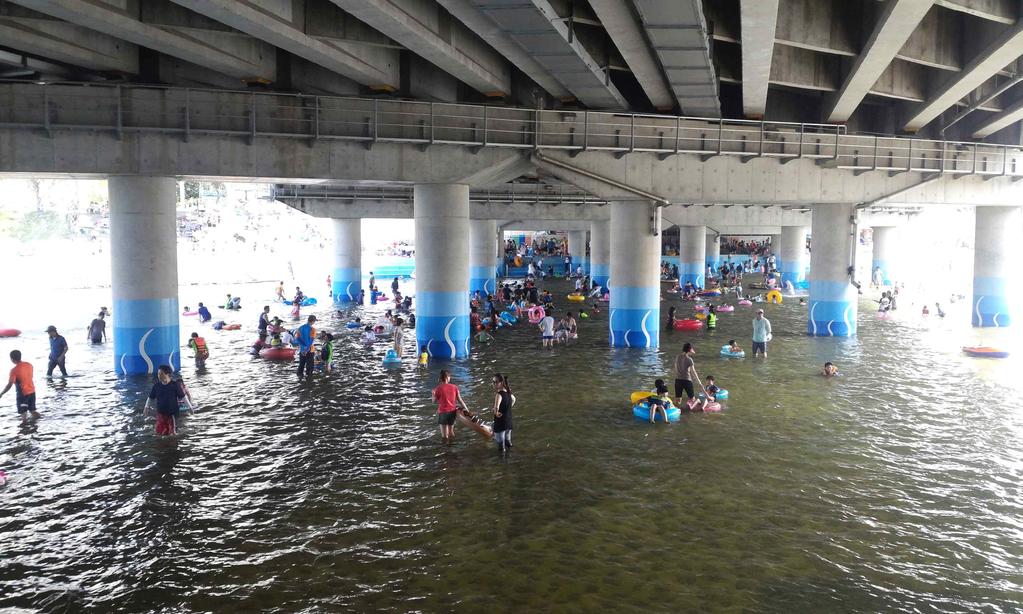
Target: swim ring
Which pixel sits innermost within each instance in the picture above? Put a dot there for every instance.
(9, 332)
(700, 315)
(605, 299)
(710, 293)
(724, 309)
(688, 325)
(536, 314)
(378, 329)
(641, 411)
(231, 327)
(576, 297)
(745, 303)
(391, 358)
(189, 313)
(727, 353)
(774, 296)
(518, 261)
(507, 317)
(985, 352)
(277, 353)
(353, 325)
(306, 302)
(700, 308)
(712, 406)
(722, 395)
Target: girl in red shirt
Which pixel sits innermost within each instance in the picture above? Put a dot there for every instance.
(446, 395)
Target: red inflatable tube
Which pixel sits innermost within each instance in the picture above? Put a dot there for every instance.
(9, 332)
(688, 325)
(277, 354)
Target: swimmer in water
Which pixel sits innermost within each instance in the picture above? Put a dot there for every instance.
(733, 347)
(659, 400)
(829, 370)
(712, 390)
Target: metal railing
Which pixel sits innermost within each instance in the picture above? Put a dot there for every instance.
(187, 112)
(539, 194)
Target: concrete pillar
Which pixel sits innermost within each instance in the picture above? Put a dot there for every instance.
(885, 245)
(482, 258)
(144, 273)
(600, 252)
(346, 280)
(791, 255)
(692, 252)
(775, 244)
(713, 258)
(442, 268)
(995, 253)
(832, 306)
(577, 249)
(635, 309)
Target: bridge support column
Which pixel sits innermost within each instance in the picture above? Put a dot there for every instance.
(832, 306)
(600, 252)
(635, 309)
(884, 253)
(713, 257)
(577, 249)
(482, 257)
(692, 252)
(346, 280)
(144, 261)
(995, 253)
(791, 255)
(442, 268)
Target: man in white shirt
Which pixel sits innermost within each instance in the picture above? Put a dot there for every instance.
(761, 333)
(547, 332)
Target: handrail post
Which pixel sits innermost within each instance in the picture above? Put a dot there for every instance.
(46, 112)
(875, 153)
(721, 129)
(909, 161)
(586, 130)
(316, 117)
(632, 132)
(974, 171)
(761, 138)
(432, 119)
(376, 119)
(678, 132)
(837, 132)
(252, 116)
(485, 118)
(1005, 158)
(802, 132)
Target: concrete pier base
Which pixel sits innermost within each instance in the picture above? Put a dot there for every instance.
(442, 269)
(692, 255)
(995, 253)
(144, 273)
(346, 279)
(791, 256)
(635, 308)
(482, 257)
(832, 306)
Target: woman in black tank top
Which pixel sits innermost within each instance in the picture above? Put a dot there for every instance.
(503, 402)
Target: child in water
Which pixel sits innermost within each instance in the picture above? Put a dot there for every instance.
(424, 356)
(733, 347)
(712, 390)
(829, 370)
(659, 400)
(368, 336)
(327, 352)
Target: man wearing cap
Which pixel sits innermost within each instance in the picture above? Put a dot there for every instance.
(305, 336)
(58, 348)
(761, 333)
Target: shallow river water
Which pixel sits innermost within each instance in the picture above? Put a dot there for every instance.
(896, 487)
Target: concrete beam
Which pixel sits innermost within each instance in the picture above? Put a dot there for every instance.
(68, 43)
(1012, 114)
(373, 66)
(401, 208)
(539, 29)
(898, 19)
(479, 23)
(430, 32)
(720, 217)
(817, 25)
(119, 23)
(763, 181)
(936, 42)
(998, 54)
(1001, 11)
(759, 19)
(628, 37)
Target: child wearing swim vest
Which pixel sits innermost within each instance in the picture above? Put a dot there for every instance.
(198, 345)
(712, 389)
(659, 400)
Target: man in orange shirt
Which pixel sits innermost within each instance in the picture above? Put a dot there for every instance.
(25, 390)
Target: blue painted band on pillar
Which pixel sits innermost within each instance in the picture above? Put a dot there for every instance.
(794, 271)
(990, 302)
(345, 284)
(714, 265)
(832, 309)
(693, 272)
(634, 317)
(146, 335)
(442, 323)
(600, 274)
(483, 278)
(886, 277)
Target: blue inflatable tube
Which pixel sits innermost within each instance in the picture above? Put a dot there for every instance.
(306, 302)
(641, 411)
(353, 325)
(727, 353)
(391, 359)
(507, 317)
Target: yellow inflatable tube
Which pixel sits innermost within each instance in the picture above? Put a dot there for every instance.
(774, 297)
(576, 298)
(640, 395)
